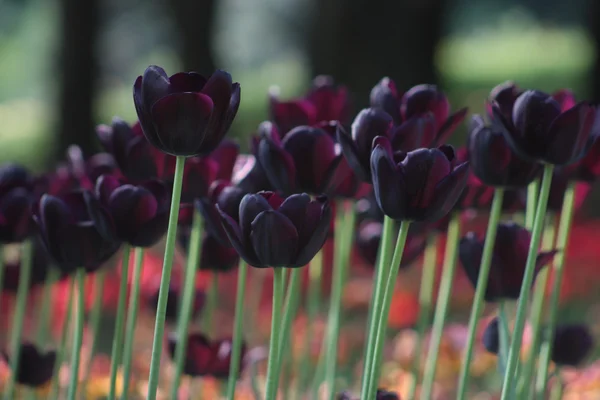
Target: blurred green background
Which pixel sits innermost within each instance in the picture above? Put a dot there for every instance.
(66, 65)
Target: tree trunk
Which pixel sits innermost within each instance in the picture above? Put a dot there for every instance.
(195, 21)
(78, 71)
(359, 42)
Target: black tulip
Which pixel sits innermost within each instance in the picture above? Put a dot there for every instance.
(508, 260)
(39, 269)
(185, 114)
(217, 257)
(140, 212)
(275, 232)
(572, 344)
(491, 336)
(422, 185)
(174, 301)
(77, 231)
(35, 367)
(16, 197)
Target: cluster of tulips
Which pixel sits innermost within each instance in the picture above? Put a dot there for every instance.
(172, 180)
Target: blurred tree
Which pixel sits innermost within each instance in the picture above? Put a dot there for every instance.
(360, 41)
(195, 20)
(78, 70)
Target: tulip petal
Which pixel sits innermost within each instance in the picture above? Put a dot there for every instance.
(278, 165)
(105, 186)
(154, 86)
(388, 182)
(384, 96)
(274, 239)
(352, 156)
(449, 126)
(447, 193)
(186, 82)
(422, 99)
(240, 243)
(415, 133)
(314, 233)
(569, 135)
(226, 155)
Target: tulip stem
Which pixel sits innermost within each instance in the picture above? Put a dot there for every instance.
(19, 317)
(425, 308)
(385, 302)
(313, 299)
(343, 235)
(536, 236)
(504, 336)
(163, 293)
(45, 312)
(442, 304)
(187, 300)
(537, 309)
(132, 310)
(562, 241)
(236, 350)
(211, 304)
(78, 334)
(95, 321)
(272, 368)
(60, 351)
(291, 306)
(532, 193)
(257, 283)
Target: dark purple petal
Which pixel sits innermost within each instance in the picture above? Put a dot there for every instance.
(491, 336)
(274, 239)
(447, 192)
(225, 155)
(186, 82)
(35, 367)
(277, 163)
(504, 95)
(154, 86)
(105, 186)
(240, 243)
(449, 126)
(569, 135)
(415, 133)
(572, 344)
(384, 96)
(422, 99)
(388, 183)
(565, 98)
(367, 125)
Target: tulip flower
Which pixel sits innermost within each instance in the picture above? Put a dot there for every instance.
(35, 367)
(572, 344)
(185, 114)
(174, 301)
(275, 232)
(491, 336)
(16, 197)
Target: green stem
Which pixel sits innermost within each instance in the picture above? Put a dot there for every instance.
(564, 228)
(531, 205)
(272, 370)
(60, 351)
(381, 272)
(313, 299)
(504, 334)
(132, 310)
(45, 312)
(256, 285)
(344, 233)
(163, 294)
(442, 305)
(386, 300)
(78, 334)
(536, 236)
(557, 388)
(117, 344)
(236, 351)
(19, 317)
(291, 306)
(537, 309)
(480, 290)
(211, 304)
(95, 321)
(425, 308)
(187, 300)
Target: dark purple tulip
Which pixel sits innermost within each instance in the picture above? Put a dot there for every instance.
(77, 231)
(422, 185)
(35, 367)
(324, 102)
(248, 174)
(565, 98)
(381, 395)
(204, 357)
(217, 257)
(369, 237)
(541, 132)
(493, 161)
(228, 198)
(572, 344)
(173, 302)
(508, 260)
(185, 114)
(16, 197)
(308, 159)
(272, 231)
(86, 172)
(39, 269)
(137, 159)
(491, 336)
(504, 97)
(140, 212)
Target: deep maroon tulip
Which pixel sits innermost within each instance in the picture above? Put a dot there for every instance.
(381, 395)
(369, 237)
(77, 231)
(308, 159)
(491, 336)
(324, 102)
(174, 301)
(228, 198)
(86, 172)
(16, 197)
(140, 212)
(35, 367)
(504, 97)
(572, 344)
(217, 257)
(204, 357)
(275, 232)
(508, 260)
(493, 161)
(422, 185)
(541, 132)
(137, 159)
(185, 114)
(39, 269)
